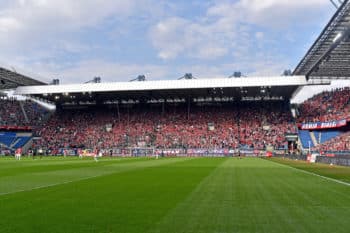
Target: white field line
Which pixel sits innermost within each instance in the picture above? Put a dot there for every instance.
(314, 174)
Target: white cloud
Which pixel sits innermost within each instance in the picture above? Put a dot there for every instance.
(229, 27)
(34, 32)
(31, 26)
(7, 24)
(85, 70)
(176, 35)
(270, 13)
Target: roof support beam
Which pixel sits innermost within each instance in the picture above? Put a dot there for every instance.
(334, 4)
(342, 37)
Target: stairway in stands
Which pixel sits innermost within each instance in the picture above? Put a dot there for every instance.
(305, 138)
(313, 138)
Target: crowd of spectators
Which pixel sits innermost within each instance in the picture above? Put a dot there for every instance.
(254, 126)
(11, 113)
(326, 106)
(339, 143)
(262, 125)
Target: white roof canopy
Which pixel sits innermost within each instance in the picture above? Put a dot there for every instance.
(164, 85)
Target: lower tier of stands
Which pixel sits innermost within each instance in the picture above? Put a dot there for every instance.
(12, 140)
(325, 135)
(305, 139)
(253, 125)
(326, 140)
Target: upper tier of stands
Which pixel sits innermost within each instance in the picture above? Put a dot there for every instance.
(326, 106)
(21, 113)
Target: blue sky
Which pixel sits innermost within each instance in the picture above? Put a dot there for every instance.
(120, 39)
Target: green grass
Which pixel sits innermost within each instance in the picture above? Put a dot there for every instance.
(341, 173)
(169, 195)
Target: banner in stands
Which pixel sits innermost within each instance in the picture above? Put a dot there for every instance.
(324, 125)
(15, 128)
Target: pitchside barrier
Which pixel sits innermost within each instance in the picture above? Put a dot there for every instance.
(293, 156)
(337, 159)
(167, 152)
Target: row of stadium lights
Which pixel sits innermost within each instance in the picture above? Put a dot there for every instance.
(66, 94)
(243, 91)
(182, 100)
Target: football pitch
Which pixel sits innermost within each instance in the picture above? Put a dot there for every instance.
(172, 195)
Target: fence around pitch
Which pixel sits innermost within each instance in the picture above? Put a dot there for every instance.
(340, 159)
(165, 152)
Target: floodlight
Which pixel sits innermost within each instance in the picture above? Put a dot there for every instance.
(336, 38)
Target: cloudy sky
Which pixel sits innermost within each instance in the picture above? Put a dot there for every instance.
(120, 39)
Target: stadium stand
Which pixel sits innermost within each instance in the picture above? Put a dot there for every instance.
(17, 117)
(305, 139)
(252, 125)
(326, 106)
(21, 113)
(7, 138)
(340, 143)
(247, 124)
(11, 114)
(324, 135)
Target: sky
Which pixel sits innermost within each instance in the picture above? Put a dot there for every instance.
(118, 40)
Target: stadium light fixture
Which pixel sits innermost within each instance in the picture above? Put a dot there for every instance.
(336, 38)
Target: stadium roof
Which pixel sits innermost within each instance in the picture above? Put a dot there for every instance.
(11, 79)
(329, 56)
(276, 87)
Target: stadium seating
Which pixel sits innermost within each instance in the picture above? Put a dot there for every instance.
(253, 125)
(7, 138)
(11, 113)
(305, 138)
(325, 135)
(250, 125)
(326, 106)
(21, 113)
(339, 143)
(19, 142)
(12, 140)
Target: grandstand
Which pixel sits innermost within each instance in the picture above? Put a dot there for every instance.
(262, 181)
(208, 114)
(250, 114)
(18, 119)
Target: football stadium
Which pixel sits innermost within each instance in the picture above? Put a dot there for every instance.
(181, 155)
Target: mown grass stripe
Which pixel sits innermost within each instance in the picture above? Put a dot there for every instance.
(120, 202)
(254, 195)
(74, 175)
